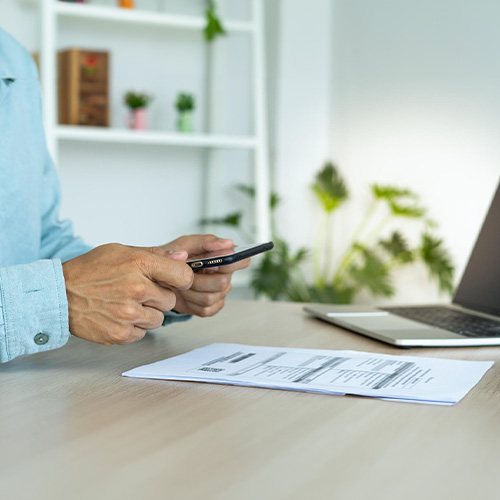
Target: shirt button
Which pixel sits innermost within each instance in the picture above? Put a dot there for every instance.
(41, 338)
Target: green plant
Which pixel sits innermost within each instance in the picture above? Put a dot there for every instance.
(214, 27)
(185, 102)
(136, 100)
(278, 273)
(370, 260)
(278, 270)
(331, 192)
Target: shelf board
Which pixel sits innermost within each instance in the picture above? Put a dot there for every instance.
(148, 18)
(125, 136)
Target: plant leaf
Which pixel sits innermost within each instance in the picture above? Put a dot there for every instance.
(385, 192)
(272, 276)
(185, 102)
(431, 223)
(298, 291)
(245, 189)
(438, 261)
(214, 27)
(274, 198)
(332, 294)
(413, 212)
(372, 273)
(397, 247)
(233, 219)
(301, 256)
(136, 100)
(395, 198)
(330, 188)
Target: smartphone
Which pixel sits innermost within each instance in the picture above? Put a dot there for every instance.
(229, 256)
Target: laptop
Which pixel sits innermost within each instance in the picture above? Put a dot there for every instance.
(472, 319)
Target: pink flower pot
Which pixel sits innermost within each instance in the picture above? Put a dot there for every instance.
(138, 119)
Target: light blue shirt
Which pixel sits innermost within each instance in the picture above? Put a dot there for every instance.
(33, 241)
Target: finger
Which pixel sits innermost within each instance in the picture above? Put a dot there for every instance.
(151, 318)
(126, 335)
(139, 332)
(209, 270)
(197, 244)
(237, 266)
(205, 299)
(159, 298)
(168, 272)
(217, 282)
(205, 311)
(211, 243)
(181, 255)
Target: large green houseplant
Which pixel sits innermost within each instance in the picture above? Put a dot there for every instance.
(370, 260)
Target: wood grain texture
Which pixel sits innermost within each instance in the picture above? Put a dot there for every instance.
(73, 428)
(83, 91)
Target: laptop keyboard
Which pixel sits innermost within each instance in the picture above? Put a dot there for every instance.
(449, 319)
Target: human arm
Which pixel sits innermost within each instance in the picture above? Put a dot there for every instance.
(33, 241)
(33, 307)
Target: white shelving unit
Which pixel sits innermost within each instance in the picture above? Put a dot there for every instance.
(53, 11)
(110, 135)
(147, 18)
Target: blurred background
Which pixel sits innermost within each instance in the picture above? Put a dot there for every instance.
(395, 93)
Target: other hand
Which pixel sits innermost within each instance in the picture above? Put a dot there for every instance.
(207, 295)
(116, 292)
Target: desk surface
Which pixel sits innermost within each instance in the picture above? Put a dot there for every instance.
(72, 428)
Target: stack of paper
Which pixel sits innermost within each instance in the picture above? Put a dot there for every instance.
(398, 378)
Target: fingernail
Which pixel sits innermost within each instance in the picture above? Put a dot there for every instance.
(171, 252)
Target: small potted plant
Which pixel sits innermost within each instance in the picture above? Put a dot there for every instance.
(137, 104)
(185, 106)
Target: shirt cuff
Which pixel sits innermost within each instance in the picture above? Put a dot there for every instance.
(33, 308)
(175, 317)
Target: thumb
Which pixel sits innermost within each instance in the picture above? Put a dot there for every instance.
(169, 274)
(198, 244)
(181, 255)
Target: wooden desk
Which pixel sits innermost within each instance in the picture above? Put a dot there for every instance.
(73, 428)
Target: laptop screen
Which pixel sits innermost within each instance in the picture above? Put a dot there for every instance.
(479, 288)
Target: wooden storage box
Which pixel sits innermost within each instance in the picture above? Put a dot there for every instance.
(83, 88)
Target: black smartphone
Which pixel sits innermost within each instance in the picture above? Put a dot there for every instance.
(229, 256)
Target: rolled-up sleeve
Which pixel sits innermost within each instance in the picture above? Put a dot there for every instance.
(33, 307)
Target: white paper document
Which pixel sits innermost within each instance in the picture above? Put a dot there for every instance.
(398, 378)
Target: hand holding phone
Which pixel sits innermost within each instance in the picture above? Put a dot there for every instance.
(230, 256)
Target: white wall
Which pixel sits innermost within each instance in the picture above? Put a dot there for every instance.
(20, 19)
(301, 122)
(413, 100)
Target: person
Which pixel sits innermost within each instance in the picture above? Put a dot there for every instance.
(51, 282)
